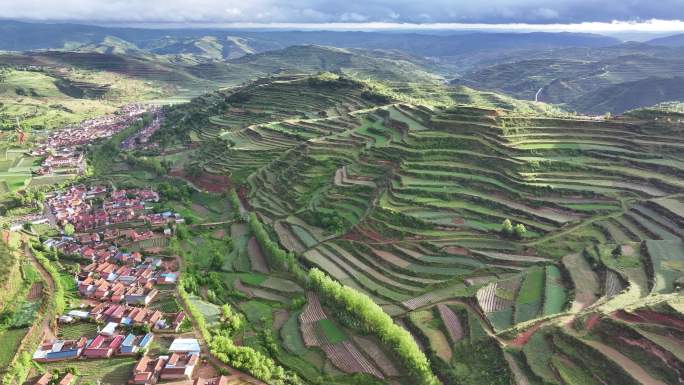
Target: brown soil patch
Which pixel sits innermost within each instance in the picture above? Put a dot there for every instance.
(627, 250)
(280, 316)
(456, 250)
(361, 233)
(242, 193)
(592, 321)
(207, 370)
(220, 233)
(35, 292)
(199, 209)
(209, 182)
(256, 256)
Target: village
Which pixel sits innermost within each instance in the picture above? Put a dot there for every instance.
(98, 225)
(62, 150)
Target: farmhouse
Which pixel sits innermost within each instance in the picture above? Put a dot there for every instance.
(58, 350)
(147, 370)
(180, 366)
(184, 345)
(133, 344)
(103, 346)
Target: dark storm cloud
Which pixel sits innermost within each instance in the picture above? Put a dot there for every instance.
(326, 11)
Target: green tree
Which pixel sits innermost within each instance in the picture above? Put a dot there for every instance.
(69, 229)
(519, 230)
(507, 227)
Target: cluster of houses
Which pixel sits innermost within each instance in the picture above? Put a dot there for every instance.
(104, 219)
(94, 207)
(114, 314)
(141, 138)
(134, 285)
(61, 151)
(180, 364)
(104, 345)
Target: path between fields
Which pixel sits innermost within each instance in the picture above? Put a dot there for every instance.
(47, 332)
(631, 367)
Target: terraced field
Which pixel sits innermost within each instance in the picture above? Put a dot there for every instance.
(487, 220)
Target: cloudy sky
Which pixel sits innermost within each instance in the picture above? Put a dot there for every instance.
(343, 11)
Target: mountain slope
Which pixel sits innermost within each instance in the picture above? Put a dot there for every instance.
(629, 95)
(572, 77)
(669, 41)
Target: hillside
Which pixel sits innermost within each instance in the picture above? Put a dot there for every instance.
(669, 41)
(359, 63)
(630, 95)
(573, 79)
(466, 223)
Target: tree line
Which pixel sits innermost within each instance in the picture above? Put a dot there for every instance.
(374, 320)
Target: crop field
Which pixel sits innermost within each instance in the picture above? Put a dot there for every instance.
(10, 339)
(210, 311)
(78, 330)
(499, 233)
(112, 371)
(668, 266)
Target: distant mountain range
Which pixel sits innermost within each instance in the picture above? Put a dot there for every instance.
(222, 43)
(570, 69)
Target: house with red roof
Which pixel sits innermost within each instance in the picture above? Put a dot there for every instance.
(103, 346)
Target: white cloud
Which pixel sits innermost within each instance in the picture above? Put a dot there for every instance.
(307, 11)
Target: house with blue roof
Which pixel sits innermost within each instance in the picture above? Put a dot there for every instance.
(133, 344)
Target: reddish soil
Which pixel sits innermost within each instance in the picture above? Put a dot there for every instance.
(207, 370)
(171, 265)
(256, 256)
(209, 182)
(242, 193)
(374, 235)
(280, 316)
(649, 347)
(525, 336)
(458, 221)
(456, 250)
(35, 292)
(592, 321)
(649, 316)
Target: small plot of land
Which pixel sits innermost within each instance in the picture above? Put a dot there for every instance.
(113, 371)
(10, 340)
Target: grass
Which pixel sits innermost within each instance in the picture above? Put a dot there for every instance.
(538, 353)
(78, 330)
(332, 333)
(210, 311)
(292, 337)
(257, 312)
(571, 374)
(529, 300)
(555, 297)
(9, 340)
(667, 263)
(112, 371)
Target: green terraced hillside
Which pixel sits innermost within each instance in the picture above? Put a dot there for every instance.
(492, 229)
